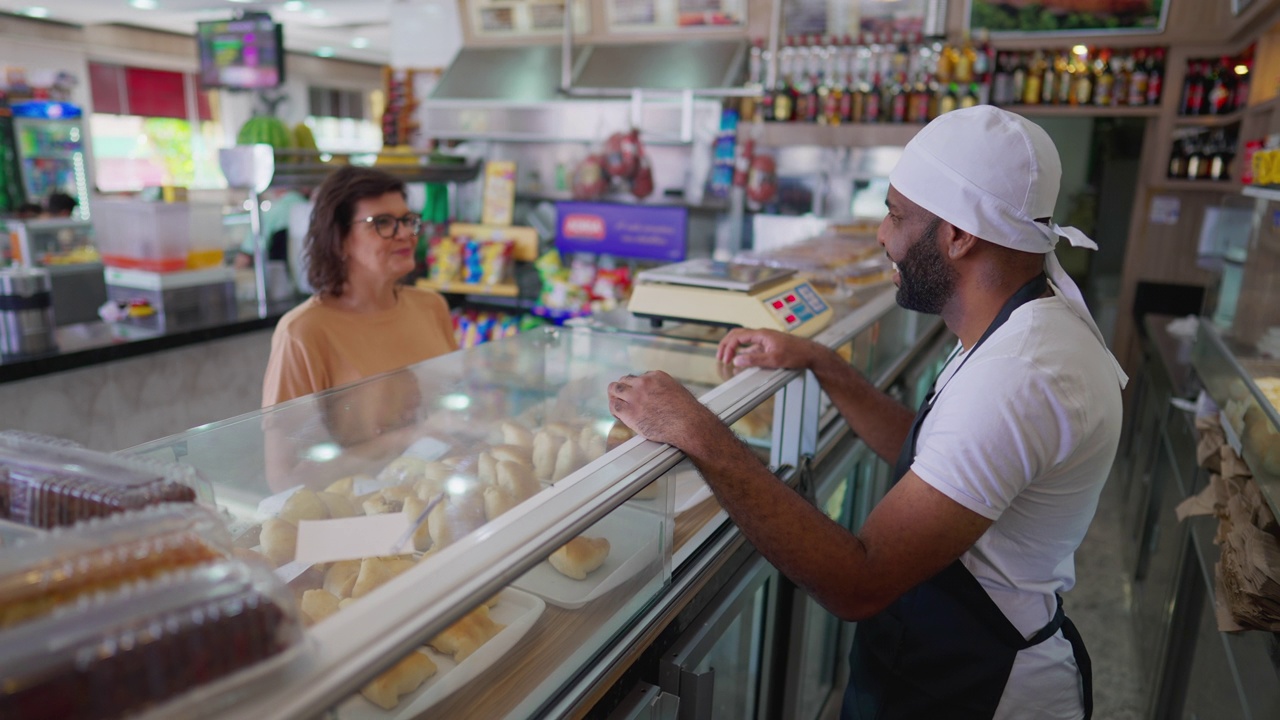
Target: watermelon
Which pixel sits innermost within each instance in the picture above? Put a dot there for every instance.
(265, 130)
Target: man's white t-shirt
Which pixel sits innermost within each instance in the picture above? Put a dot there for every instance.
(1025, 434)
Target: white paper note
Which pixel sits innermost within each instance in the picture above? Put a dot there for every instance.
(353, 538)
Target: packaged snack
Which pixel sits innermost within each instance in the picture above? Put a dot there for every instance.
(495, 261)
(46, 484)
(444, 258)
(118, 653)
(105, 553)
(472, 264)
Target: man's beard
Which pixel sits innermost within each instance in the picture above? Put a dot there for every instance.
(926, 280)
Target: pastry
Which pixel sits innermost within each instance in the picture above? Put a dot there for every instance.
(279, 540)
(347, 485)
(303, 505)
(376, 571)
(486, 468)
(563, 430)
(497, 501)
(517, 481)
(545, 448)
(456, 516)
(580, 557)
(337, 506)
(403, 678)
(413, 507)
(513, 433)
(345, 603)
(318, 605)
(568, 459)
(376, 505)
(618, 434)
(341, 577)
(512, 453)
(396, 494)
(464, 637)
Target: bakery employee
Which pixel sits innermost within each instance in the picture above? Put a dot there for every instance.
(955, 578)
(362, 320)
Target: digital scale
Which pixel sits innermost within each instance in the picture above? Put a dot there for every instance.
(721, 293)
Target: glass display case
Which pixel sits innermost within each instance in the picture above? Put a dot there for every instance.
(468, 537)
(51, 243)
(1246, 386)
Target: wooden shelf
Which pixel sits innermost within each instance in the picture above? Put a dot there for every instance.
(1222, 186)
(1084, 111)
(1209, 120)
(851, 135)
(503, 290)
(1265, 193)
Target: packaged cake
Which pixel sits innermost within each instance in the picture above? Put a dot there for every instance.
(120, 653)
(47, 483)
(103, 554)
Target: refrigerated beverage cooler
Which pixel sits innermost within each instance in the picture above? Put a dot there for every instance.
(50, 144)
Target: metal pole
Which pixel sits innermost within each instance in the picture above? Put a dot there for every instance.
(259, 250)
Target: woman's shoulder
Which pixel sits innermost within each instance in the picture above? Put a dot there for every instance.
(303, 319)
(422, 297)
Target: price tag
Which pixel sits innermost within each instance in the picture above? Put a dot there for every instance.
(353, 538)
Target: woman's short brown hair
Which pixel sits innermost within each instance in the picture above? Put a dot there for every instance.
(331, 217)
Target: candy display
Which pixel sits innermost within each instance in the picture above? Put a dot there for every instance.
(474, 327)
(462, 259)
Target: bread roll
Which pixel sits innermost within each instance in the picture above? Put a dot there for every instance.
(513, 453)
(338, 506)
(580, 557)
(561, 429)
(279, 540)
(413, 507)
(568, 459)
(497, 501)
(345, 486)
(318, 605)
(486, 468)
(403, 678)
(454, 517)
(513, 433)
(345, 603)
(376, 505)
(376, 571)
(396, 494)
(303, 505)
(340, 579)
(464, 637)
(545, 449)
(618, 434)
(517, 480)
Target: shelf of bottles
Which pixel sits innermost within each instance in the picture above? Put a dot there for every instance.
(1215, 91)
(1203, 154)
(899, 80)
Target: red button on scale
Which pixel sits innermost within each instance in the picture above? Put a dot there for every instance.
(791, 319)
(777, 304)
(791, 298)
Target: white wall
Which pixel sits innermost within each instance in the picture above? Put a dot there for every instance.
(426, 35)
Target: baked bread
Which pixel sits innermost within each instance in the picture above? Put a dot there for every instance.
(580, 557)
(497, 501)
(513, 433)
(413, 507)
(403, 678)
(486, 468)
(568, 459)
(517, 480)
(522, 454)
(464, 637)
(455, 516)
(317, 605)
(376, 571)
(336, 505)
(546, 447)
(303, 505)
(279, 540)
(340, 578)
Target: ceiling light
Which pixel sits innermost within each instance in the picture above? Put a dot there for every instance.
(242, 2)
(295, 6)
(325, 51)
(359, 43)
(317, 12)
(35, 12)
(144, 4)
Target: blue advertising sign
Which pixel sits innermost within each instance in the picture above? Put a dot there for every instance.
(635, 231)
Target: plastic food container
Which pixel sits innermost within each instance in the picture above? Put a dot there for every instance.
(117, 654)
(144, 235)
(46, 483)
(104, 554)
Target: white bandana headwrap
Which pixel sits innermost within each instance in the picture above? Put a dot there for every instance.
(995, 174)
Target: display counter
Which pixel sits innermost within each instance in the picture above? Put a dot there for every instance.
(92, 343)
(511, 441)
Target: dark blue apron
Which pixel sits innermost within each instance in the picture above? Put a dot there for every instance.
(945, 649)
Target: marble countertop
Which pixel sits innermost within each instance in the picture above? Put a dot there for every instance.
(85, 344)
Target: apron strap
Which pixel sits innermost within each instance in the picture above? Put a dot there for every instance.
(1060, 621)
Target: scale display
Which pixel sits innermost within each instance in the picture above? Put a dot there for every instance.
(719, 293)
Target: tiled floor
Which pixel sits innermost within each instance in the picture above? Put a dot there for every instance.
(1100, 607)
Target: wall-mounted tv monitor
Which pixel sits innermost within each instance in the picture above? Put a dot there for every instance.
(245, 52)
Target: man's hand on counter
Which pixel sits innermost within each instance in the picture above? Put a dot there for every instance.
(656, 406)
(769, 349)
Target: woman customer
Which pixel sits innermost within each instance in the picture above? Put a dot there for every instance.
(362, 321)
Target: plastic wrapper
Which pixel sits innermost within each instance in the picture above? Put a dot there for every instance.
(119, 653)
(444, 258)
(835, 264)
(105, 553)
(46, 483)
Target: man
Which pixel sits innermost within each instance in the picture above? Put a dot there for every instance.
(275, 227)
(954, 578)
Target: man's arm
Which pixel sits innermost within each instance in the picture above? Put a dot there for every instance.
(911, 535)
(879, 420)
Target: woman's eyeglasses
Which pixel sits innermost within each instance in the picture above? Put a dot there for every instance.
(387, 226)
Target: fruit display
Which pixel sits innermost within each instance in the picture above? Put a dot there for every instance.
(265, 130)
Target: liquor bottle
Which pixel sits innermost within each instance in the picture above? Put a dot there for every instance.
(984, 61)
(1241, 98)
(1049, 85)
(1193, 89)
(1019, 78)
(750, 106)
(948, 101)
(899, 94)
(965, 59)
(1138, 80)
(1083, 82)
(1220, 158)
(947, 59)
(918, 105)
(1002, 83)
(833, 88)
(1103, 79)
(871, 100)
(1221, 91)
(1178, 160)
(1122, 69)
(1066, 69)
(1155, 76)
(783, 102)
(1035, 79)
(969, 95)
(1197, 165)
